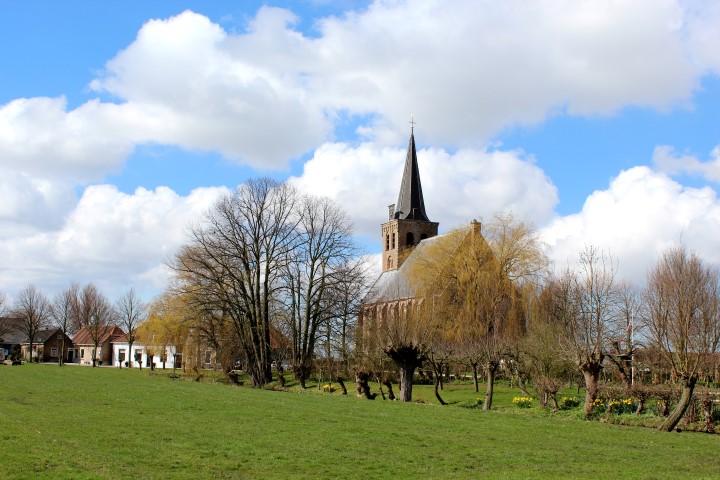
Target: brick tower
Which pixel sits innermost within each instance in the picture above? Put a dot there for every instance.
(407, 223)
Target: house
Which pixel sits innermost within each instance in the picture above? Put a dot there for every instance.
(48, 346)
(84, 345)
(144, 356)
(11, 337)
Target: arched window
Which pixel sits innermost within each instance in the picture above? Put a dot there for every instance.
(387, 242)
(389, 262)
(410, 239)
(423, 236)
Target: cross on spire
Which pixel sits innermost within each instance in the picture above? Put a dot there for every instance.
(412, 124)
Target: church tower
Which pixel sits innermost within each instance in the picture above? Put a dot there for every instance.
(407, 223)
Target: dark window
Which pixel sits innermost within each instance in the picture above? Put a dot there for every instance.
(393, 240)
(387, 242)
(410, 239)
(423, 236)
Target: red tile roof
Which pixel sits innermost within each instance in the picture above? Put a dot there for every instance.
(84, 336)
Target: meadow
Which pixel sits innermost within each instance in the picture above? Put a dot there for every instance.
(80, 422)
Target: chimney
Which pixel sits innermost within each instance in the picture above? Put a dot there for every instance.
(475, 227)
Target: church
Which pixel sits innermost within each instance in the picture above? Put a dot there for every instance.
(406, 234)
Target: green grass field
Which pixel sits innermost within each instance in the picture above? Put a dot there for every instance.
(78, 422)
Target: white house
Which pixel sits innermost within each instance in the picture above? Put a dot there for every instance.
(162, 357)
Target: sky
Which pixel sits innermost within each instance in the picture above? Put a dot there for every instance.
(122, 122)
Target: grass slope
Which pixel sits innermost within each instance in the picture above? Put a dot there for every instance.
(75, 422)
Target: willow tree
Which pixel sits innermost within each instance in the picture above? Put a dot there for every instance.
(472, 286)
(233, 261)
(683, 318)
(172, 317)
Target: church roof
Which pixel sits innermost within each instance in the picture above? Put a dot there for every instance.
(410, 204)
(397, 284)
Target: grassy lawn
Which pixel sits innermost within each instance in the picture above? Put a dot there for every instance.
(78, 422)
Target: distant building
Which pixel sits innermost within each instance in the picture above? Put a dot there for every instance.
(84, 345)
(49, 345)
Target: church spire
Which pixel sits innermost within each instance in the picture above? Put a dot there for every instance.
(410, 204)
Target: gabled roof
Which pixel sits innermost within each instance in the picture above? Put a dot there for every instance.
(42, 336)
(394, 285)
(12, 328)
(84, 336)
(410, 204)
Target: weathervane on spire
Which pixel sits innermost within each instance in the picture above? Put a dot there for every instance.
(412, 124)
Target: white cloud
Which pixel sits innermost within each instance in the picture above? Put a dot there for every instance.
(39, 137)
(640, 214)
(191, 84)
(456, 187)
(666, 160)
(111, 238)
(267, 95)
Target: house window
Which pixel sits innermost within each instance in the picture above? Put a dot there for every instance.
(82, 353)
(59, 336)
(138, 355)
(121, 355)
(208, 356)
(53, 352)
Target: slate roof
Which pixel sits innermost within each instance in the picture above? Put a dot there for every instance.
(396, 285)
(14, 334)
(42, 336)
(410, 204)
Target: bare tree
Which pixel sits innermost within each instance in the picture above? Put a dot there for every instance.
(622, 351)
(5, 326)
(586, 302)
(33, 309)
(130, 310)
(314, 269)
(64, 312)
(232, 264)
(96, 315)
(683, 318)
(539, 350)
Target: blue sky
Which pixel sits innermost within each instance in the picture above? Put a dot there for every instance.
(120, 122)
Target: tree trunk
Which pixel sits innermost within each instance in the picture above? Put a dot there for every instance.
(363, 388)
(391, 394)
(407, 358)
(342, 385)
(591, 373)
(475, 377)
(679, 410)
(523, 385)
(406, 376)
(437, 391)
(491, 369)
